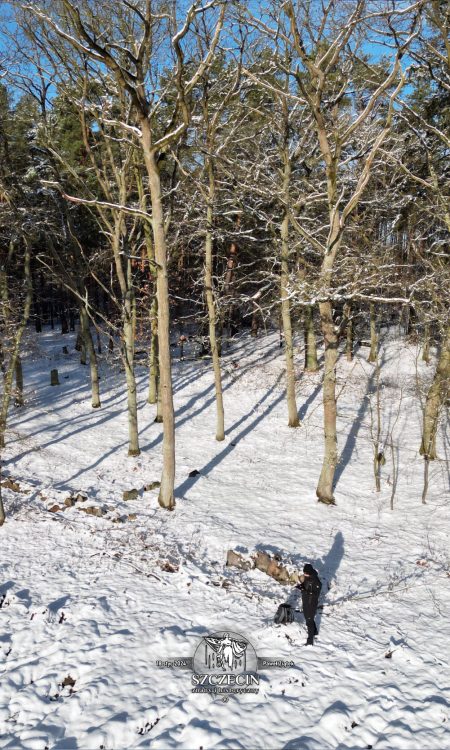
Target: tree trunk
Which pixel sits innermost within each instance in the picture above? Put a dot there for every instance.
(227, 305)
(311, 363)
(407, 316)
(378, 456)
(159, 413)
(128, 349)
(437, 396)
(166, 494)
(2, 359)
(89, 346)
(83, 348)
(426, 345)
(37, 317)
(64, 322)
(325, 485)
(220, 419)
(373, 335)
(324, 490)
(293, 420)
(124, 275)
(254, 325)
(394, 472)
(2, 509)
(7, 385)
(18, 396)
(426, 467)
(153, 356)
(152, 397)
(349, 332)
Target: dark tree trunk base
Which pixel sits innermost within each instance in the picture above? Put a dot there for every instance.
(171, 506)
(326, 500)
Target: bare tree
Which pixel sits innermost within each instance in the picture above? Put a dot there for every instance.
(127, 48)
(218, 92)
(325, 57)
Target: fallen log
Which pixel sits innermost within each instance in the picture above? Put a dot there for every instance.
(272, 566)
(235, 560)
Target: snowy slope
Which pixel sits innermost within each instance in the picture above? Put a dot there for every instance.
(101, 599)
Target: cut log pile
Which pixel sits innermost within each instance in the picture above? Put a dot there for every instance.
(271, 565)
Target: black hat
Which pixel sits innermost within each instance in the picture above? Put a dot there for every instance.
(308, 568)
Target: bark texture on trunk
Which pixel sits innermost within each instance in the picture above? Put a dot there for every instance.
(324, 489)
(83, 352)
(124, 276)
(437, 396)
(378, 455)
(2, 359)
(311, 361)
(426, 345)
(153, 355)
(128, 349)
(293, 420)
(64, 322)
(90, 348)
(18, 395)
(2, 509)
(254, 325)
(325, 485)
(152, 397)
(426, 468)
(159, 410)
(226, 315)
(210, 302)
(166, 495)
(373, 354)
(348, 332)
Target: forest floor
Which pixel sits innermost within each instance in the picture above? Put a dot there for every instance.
(100, 599)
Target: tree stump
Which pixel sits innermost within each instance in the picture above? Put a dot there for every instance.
(54, 380)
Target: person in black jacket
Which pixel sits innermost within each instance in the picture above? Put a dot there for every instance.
(310, 586)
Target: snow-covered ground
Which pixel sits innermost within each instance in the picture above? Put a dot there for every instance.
(100, 599)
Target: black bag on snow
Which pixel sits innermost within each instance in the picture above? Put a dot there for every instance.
(284, 615)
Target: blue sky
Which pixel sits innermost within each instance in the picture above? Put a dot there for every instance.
(376, 49)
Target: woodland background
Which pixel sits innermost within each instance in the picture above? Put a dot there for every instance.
(172, 175)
